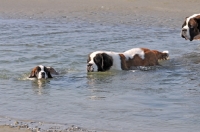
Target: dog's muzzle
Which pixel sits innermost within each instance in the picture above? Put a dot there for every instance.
(184, 33)
(43, 75)
(90, 68)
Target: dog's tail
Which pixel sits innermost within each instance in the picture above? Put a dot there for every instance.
(162, 55)
(165, 55)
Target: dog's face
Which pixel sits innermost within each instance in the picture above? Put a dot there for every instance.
(40, 72)
(191, 27)
(99, 61)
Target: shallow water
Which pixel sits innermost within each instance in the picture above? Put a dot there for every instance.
(165, 98)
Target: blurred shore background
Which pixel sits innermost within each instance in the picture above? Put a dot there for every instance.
(169, 12)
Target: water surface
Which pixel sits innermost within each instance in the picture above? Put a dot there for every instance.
(165, 98)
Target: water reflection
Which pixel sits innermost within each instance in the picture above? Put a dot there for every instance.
(100, 77)
(100, 84)
(40, 85)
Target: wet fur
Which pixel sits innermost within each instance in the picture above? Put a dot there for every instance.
(103, 61)
(151, 59)
(191, 27)
(36, 70)
(134, 57)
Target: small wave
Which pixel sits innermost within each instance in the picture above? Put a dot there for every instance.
(39, 125)
(96, 97)
(143, 68)
(146, 68)
(5, 74)
(23, 77)
(193, 58)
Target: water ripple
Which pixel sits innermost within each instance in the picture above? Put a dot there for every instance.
(159, 97)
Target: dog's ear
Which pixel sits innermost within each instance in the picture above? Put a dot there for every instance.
(32, 75)
(48, 72)
(52, 71)
(197, 19)
(98, 59)
(107, 61)
(103, 61)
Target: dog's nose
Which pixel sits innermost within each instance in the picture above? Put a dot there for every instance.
(43, 75)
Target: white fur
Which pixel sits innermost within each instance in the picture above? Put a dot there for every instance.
(40, 73)
(166, 51)
(132, 52)
(187, 34)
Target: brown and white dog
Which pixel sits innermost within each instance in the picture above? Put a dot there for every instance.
(107, 60)
(191, 27)
(42, 72)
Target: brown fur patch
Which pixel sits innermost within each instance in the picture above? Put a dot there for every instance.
(34, 71)
(151, 58)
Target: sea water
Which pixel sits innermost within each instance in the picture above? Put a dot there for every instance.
(165, 98)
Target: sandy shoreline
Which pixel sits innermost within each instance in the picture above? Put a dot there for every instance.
(161, 12)
(169, 12)
(15, 125)
(14, 129)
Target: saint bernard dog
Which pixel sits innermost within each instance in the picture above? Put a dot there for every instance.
(191, 28)
(107, 60)
(42, 72)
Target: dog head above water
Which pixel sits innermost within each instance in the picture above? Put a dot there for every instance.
(191, 28)
(42, 72)
(99, 61)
